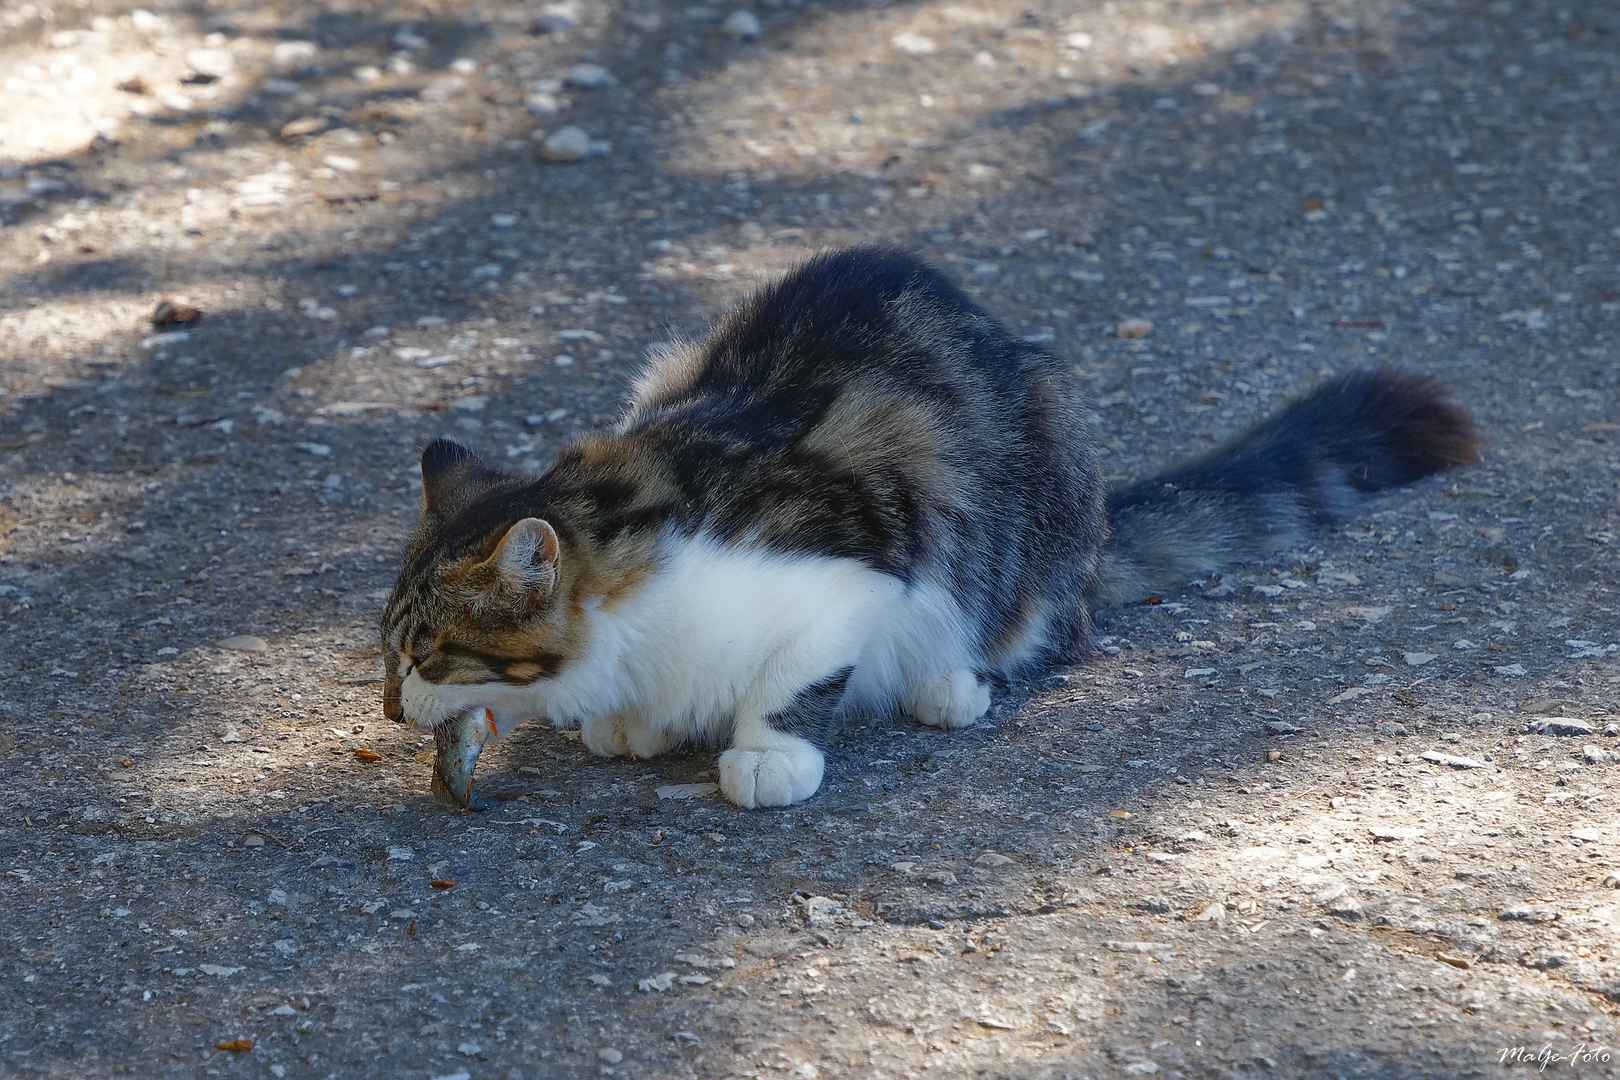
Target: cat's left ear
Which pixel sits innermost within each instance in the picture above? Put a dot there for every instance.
(451, 474)
(526, 558)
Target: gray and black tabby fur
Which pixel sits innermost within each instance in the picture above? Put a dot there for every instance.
(860, 490)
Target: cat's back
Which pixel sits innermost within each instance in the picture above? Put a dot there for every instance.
(860, 407)
(870, 318)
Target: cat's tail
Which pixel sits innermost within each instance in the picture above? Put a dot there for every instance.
(1311, 463)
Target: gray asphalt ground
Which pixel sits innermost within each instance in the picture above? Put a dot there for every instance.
(1305, 821)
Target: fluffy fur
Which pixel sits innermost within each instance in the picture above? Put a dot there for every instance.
(859, 491)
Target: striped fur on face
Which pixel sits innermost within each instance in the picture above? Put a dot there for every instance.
(476, 606)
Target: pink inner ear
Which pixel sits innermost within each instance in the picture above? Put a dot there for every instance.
(548, 544)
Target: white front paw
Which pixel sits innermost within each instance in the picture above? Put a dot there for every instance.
(605, 736)
(756, 778)
(951, 699)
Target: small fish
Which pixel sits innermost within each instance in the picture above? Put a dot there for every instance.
(460, 740)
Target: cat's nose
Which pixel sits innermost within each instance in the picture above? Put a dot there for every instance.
(393, 707)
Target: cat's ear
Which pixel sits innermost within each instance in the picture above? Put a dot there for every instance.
(526, 558)
(448, 470)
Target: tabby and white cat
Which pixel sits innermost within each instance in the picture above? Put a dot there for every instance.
(859, 492)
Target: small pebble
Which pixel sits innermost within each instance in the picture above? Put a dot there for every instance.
(216, 63)
(442, 88)
(1451, 760)
(253, 840)
(293, 55)
(743, 25)
(1132, 329)
(244, 643)
(559, 18)
(610, 1055)
(566, 144)
(542, 104)
(589, 76)
(914, 44)
(1559, 725)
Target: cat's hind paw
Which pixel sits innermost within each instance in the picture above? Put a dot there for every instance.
(781, 777)
(951, 699)
(623, 735)
(606, 736)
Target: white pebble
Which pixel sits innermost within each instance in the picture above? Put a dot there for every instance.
(471, 403)
(564, 360)
(541, 104)
(293, 55)
(215, 62)
(1079, 41)
(1131, 329)
(914, 44)
(503, 221)
(742, 24)
(318, 449)
(341, 163)
(589, 76)
(566, 144)
(443, 88)
(559, 18)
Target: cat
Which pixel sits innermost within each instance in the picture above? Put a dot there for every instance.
(859, 492)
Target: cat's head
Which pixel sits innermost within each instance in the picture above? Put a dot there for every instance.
(480, 599)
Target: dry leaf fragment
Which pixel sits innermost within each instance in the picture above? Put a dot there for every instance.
(441, 883)
(309, 125)
(169, 313)
(235, 1045)
(367, 755)
(125, 762)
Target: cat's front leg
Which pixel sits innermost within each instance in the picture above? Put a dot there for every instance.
(772, 760)
(949, 699)
(624, 735)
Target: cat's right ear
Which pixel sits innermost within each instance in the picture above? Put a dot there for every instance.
(527, 556)
(448, 468)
